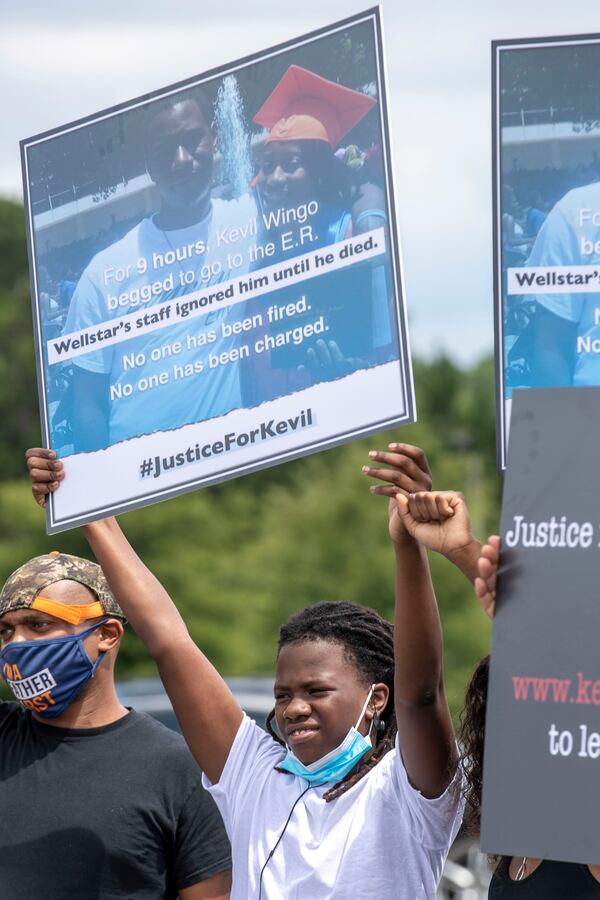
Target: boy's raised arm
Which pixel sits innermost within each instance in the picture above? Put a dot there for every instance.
(207, 711)
(437, 521)
(425, 730)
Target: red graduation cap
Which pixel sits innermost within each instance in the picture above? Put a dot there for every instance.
(304, 106)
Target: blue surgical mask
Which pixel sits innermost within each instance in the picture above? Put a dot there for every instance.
(338, 762)
(46, 675)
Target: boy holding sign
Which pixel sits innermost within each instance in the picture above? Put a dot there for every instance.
(363, 765)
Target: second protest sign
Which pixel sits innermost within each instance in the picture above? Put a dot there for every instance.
(542, 732)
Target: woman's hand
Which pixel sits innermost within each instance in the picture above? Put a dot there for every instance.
(487, 568)
(403, 469)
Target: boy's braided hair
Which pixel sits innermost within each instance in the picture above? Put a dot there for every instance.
(368, 642)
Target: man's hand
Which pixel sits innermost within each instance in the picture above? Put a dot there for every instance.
(404, 470)
(487, 567)
(45, 471)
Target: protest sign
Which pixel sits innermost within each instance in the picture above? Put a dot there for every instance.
(215, 275)
(542, 733)
(546, 159)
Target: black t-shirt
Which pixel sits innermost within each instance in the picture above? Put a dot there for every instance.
(550, 881)
(111, 813)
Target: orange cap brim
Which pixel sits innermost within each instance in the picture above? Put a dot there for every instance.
(72, 613)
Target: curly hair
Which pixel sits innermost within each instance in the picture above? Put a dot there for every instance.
(368, 643)
(470, 738)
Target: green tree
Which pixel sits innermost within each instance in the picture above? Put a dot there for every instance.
(18, 385)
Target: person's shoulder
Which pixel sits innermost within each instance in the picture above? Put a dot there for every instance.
(146, 725)
(251, 734)
(165, 745)
(380, 775)
(386, 775)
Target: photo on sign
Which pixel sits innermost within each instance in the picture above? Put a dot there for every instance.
(547, 217)
(216, 277)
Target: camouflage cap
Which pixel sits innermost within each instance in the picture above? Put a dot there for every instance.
(26, 582)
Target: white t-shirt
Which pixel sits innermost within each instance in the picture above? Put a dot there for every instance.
(566, 232)
(381, 838)
(185, 397)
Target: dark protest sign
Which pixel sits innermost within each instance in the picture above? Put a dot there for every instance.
(542, 741)
(546, 216)
(215, 275)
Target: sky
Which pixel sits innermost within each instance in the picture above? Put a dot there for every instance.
(66, 59)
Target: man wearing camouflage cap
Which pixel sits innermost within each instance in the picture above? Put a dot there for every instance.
(46, 675)
(98, 801)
